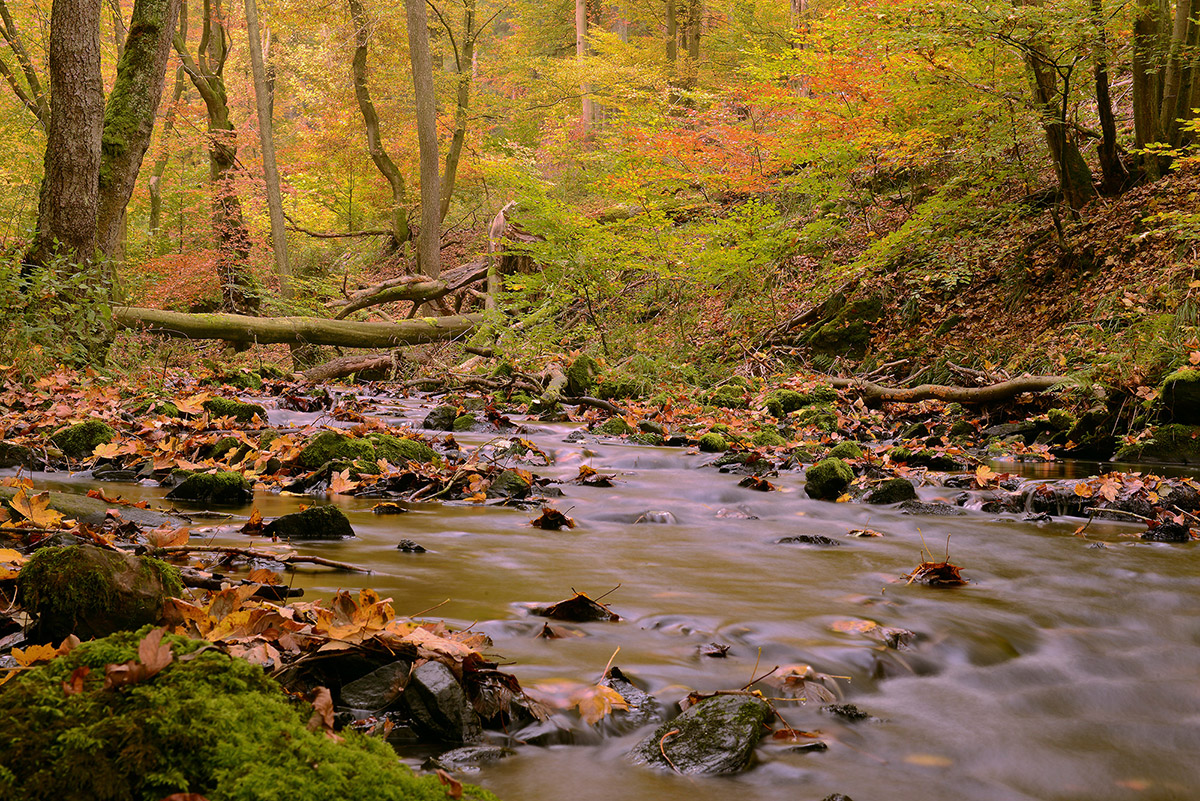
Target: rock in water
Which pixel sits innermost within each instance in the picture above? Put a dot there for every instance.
(377, 689)
(439, 707)
(314, 523)
(717, 735)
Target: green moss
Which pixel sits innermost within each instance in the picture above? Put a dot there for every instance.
(892, 491)
(399, 450)
(221, 447)
(615, 427)
(1181, 396)
(899, 454)
(157, 406)
(782, 402)
(846, 450)
(314, 523)
(961, 428)
(222, 487)
(581, 376)
(729, 396)
(464, 422)
(828, 479)
(1061, 419)
(80, 440)
(821, 416)
(646, 438)
(227, 407)
(1171, 444)
(330, 446)
(213, 725)
(621, 387)
(712, 442)
(241, 379)
(768, 437)
(930, 458)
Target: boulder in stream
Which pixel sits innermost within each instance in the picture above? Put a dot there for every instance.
(828, 479)
(441, 418)
(227, 407)
(1171, 444)
(894, 490)
(13, 455)
(1181, 396)
(378, 689)
(222, 487)
(509, 484)
(80, 440)
(716, 735)
(313, 523)
(439, 707)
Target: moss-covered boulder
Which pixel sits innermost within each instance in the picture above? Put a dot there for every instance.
(509, 484)
(243, 378)
(223, 487)
(228, 407)
(619, 387)
(441, 418)
(92, 592)
(821, 416)
(1181, 396)
(313, 523)
(211, 725)
(220, 449)
(157, 406)
(727, 396)
(894, 490)
(712, 442)
(1171, 444)
(13, 455)
(1062, 419)
(769, 438)
(615, 427)
(330, 446)
(847, 333)
(581, 376)
(846, 450)
(828, 479)
(782, 402)
(717, 735)
(465, 422)
(1091, 437)
(399, 450)
(80, 440)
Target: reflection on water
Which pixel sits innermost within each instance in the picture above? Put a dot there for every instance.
(1062, 671)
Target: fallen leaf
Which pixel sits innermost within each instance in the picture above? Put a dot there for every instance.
(597, 701)
(453, 786)
(322, 716)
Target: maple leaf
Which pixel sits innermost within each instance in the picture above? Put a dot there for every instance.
(597, 701)
(36, 509)
(340, 483)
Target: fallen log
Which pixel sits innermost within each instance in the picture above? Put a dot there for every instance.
(873, 394)
(239, 328)
(347, 365)
(406, 287)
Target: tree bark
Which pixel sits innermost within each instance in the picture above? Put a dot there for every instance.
(1074, 176)
(464, 61)
(233, 240)
(348, 365)
(1148, 31)
(34, 99)
(429, 252)
(581, 51)
(160, 163)
(1176, 90)
(874, 394)
(401, 232)
(71, 181)
(130, 113)
(262, 101)
(295, 330)
(1113, 175)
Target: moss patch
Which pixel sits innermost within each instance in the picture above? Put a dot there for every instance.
(213, 725)
(828, 479)
(223, 487)
(399, 450)
(330, 446)
(712, 442)
(1181, 396)
(893, 491)
(227, 407)
(80, 440)
(1171, 444)
(581, 376)
(313, 523)
(614, 427)
(846, 450)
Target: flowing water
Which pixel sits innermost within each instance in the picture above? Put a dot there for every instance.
(1061, 671)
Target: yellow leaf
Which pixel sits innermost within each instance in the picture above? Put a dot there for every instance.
(1083, 490)
(853, 626)
(9, 555)
(596, 702)
(36, 509)
(34, 654)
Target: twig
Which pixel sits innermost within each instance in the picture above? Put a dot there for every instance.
(250, 553)
(430, 609)
(663, 751)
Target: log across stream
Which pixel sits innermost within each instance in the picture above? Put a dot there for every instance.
(1063, 670)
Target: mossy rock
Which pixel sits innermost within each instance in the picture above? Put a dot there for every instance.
(13, 455)
(465, 422)
(782, 402)
(646, 438)
(899, 453)
(441, 418)
(828, 479)
(1091, 437)
(223, 487)
(509, 484)
(769, 438)
(1171, 444)
(330, 446)
(717, 735)
(1181, 396)
(227, 407)
(894, 490)
(157, 406)
(80, 440)
(961, 428)
(948, 325)
(727, 397)
(621, 387)
(615, 427)
(221, 447)
(927, 457)
(212, 725)
(712, 442)
(398, 450)
(581, 376)
(92, 592)
(821, 416)
(846, 450)
(313, 523)
(1061, 419)
(241, 379)
(848, 333)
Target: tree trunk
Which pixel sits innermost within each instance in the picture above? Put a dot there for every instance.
(130, 114)
(160, 163)
(295, 330)
(1074, 176)
(581, 51)
(71, 182)
(34, 98)
(1148, 32)
(1176, 90)
(229, 229)
(262, 99)
(429, 254)
(401, 232)
(1112, 171)
(874, 394)
(690, 40)
(463, 65)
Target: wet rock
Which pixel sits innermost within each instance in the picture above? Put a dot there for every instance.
(846, 450)
(577, 435)
(936, 509)
(545, 733)
(439, 707)
(80, 440)
(330, 446)
(441, 418)
(378, 689)
(577, 609)
(1181, 396)
(714, 650)
(1091, 437)
(895, 490)
(468, 758)
(227, 407)
(642, 708)
(934, 460)
(828, 479)
(1167, 531)
(13, 455)
(808, 748)
(313, 523)
(465, 422)
(717, 735)
(652, 427)
(837, 797)
(398, 450)
(93, 592)
(223, 487)
(656, 517)
(808, 539)
(615, 427)
(1026, 429)
(1171, 444)
(408, 546)
(509, 484)
(847, 712)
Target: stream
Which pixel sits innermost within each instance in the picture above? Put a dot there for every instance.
(1063, 670)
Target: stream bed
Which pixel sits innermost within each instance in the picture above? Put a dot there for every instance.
(1067, 668)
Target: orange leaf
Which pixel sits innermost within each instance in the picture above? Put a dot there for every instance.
(596, 702)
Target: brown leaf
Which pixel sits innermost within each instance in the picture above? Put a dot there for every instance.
(36, 509)
(254, 526)
(577, 609)
(322, 716)
(264, 576)
(166, 536)
(74, 683)
(154, 654)
(552, 520)
(453, 786)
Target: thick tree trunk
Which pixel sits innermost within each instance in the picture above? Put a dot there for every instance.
(295, 330)
(1113, 175)
(429, 244)
(1148, 34)
(464, 61)
(1176, 87)
(70, 185)
(401, 232)
(262, 99)
(1074, 176)
(130, 114)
